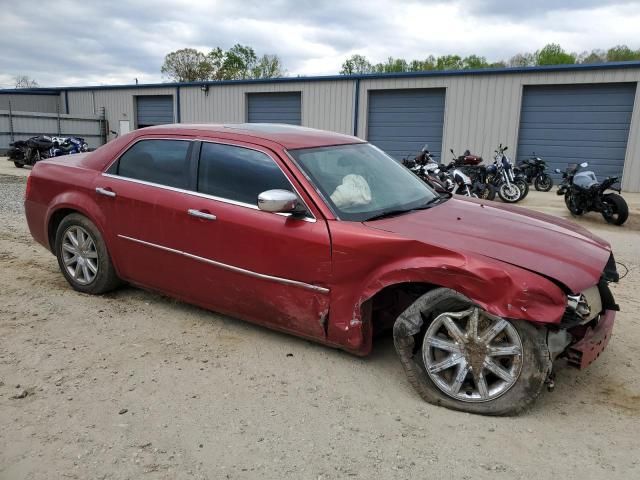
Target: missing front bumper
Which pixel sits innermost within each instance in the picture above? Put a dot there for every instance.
(584, 352)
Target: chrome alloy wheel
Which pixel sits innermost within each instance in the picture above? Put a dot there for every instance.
(510, 192)
(472, 356)
(79, 255)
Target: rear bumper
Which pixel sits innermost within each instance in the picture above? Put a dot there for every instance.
(595, 340)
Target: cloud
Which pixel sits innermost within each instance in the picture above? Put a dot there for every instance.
(82, 43)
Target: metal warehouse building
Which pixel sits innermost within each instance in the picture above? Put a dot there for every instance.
(565, 114)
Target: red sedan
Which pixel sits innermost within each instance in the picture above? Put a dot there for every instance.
(325, 236)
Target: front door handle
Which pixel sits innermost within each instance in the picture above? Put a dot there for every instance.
(106, 192)
(201, 214)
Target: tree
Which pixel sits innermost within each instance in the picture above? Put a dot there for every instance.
(595, 56)
(553, 54)
(23, 81)
(187, 65)
(239, 63)
(427, 64)
(473, 62)
(392, 65)
(522, 60)
(355, 65)
(449, 62)
(268, 66)
(622, 53)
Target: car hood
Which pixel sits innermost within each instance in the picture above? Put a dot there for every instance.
(547, 245)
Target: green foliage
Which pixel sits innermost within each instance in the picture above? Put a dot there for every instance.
(238, 63)
(622, 53)
(186, 65)
(356, 64)
(553, 54)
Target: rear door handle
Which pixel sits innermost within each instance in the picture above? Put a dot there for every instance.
(200, 214)
(105, 192)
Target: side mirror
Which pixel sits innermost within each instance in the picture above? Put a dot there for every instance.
(557, 170)
(505, 149)
(584, 164)
(278, 201)
(451, 150)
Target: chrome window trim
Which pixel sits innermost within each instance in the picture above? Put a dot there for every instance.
(310, 219)
(284, 281)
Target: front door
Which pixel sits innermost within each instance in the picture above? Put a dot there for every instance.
(264, 267)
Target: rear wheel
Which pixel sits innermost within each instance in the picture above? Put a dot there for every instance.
(509, 193)
(615, 209)
(459, 356)
(18, 164)
(543, 183)
(83, 256)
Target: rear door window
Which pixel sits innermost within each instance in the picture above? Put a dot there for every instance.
(165, 162)
(237, 173)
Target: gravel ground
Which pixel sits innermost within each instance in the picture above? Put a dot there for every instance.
(134, 385)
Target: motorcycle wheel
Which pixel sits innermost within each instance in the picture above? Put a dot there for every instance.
(18, 164)
(543, 183)
(570, 203)
(616, 210)
(488, 192)
(509, 193)
(524, 188)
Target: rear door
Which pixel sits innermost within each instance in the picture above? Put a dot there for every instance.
(264, 267)
(145, 202)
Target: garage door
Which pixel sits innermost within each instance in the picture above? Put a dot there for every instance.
(400, 122)
(154, 110)
(577, 123)
(275, 108)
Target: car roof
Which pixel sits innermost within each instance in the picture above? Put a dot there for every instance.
(289, 136)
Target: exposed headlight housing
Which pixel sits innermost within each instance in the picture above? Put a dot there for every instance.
(587, 305)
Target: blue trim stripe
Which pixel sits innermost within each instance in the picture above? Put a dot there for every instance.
(370, 76)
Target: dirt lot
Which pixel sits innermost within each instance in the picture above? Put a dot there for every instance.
(134, 385)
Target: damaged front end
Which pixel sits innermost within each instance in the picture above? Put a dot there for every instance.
(585, 329)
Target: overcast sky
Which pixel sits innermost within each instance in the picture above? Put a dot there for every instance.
(93, 42)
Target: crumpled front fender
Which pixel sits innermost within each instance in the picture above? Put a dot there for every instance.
(500, 288)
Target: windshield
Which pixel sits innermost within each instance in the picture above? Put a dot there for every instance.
(361, 182)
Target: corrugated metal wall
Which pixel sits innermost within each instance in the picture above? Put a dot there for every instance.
(31, 103)
(482, 111)
(118, 104)
(327, 105)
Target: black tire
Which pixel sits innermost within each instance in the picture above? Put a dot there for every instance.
(409, 333)
(618, 210)
(523, 185)
(507, 198)
(18, 164)
(543, 183)
(106, 278)
(485, 191)
(570, 203)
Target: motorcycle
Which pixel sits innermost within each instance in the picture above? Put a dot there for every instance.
(534, 171)
(440, 177)
(583, 193)
(30, 151)
(501, 175)
(471, 166)
(68, 146)
(34, 149)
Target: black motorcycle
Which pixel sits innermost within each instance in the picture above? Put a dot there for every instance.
(583, 193)
(534, 170)
(511, 187)
(28, 152)
(471, 166)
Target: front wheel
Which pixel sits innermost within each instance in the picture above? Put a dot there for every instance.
(616, 210)
(459, 356)
(509, 193)
(18, 164)
(523, 185)
(543, 183)
(83, 256)
(571, 203)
